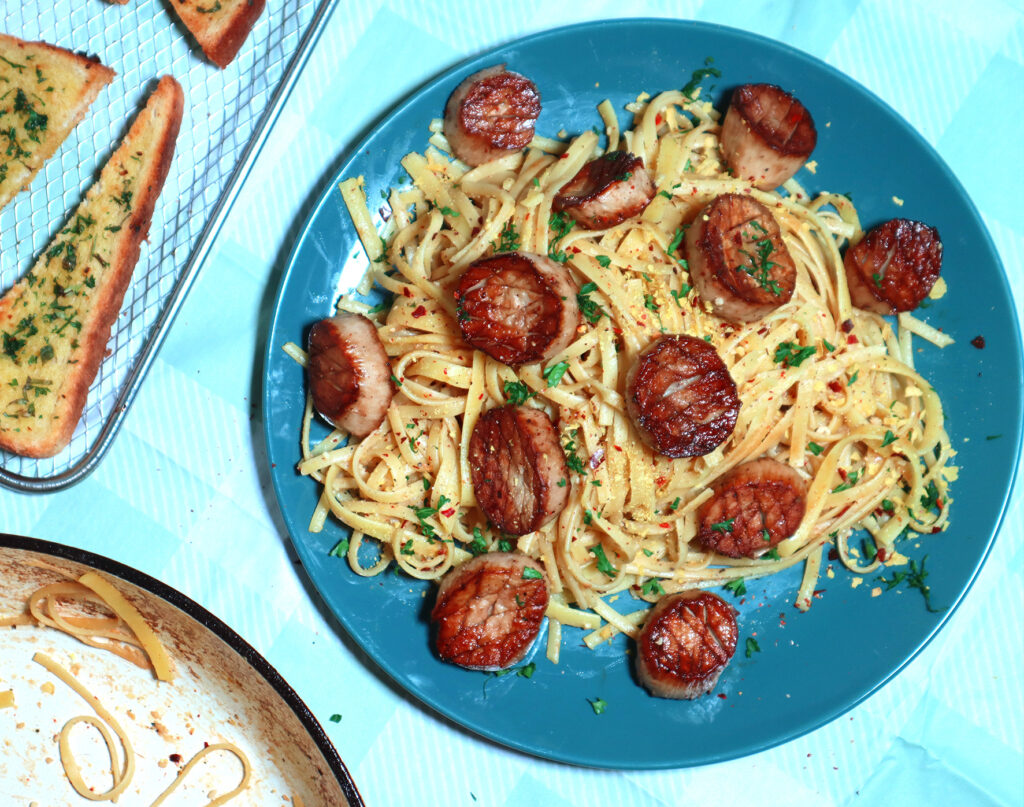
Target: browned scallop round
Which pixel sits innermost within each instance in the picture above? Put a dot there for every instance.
(767, 135)
(349, 373)
(681, 397)
(489, 610)
(738, 261)
(685, 644)
(755, 505)
(517, 307)
(606, 191)
(518, 468)
(894, 266)
(491, 113)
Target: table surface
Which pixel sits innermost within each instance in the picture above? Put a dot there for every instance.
(185, 495)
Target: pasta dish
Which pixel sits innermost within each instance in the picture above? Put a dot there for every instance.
(826, 388)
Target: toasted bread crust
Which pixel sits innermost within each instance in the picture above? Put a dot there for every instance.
(95, 77)
(220, 26)
(163, 110)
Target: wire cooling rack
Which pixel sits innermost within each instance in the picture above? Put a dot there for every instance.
(227, 116)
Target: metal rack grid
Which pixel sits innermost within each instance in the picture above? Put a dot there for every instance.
(227, 116)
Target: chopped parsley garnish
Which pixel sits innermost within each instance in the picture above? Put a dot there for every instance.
(737, 587)
(666, 194)
(422, 514)
(504, 545)
(752, 646)
(340, 549)
(675, 504)
(554, 373)
(772, 554)
(851, 480)
(877, 278)
(603, 564)
(723, 526)
(889, 438)
(652, 586)
(677, 239)
(591, 309)
(572, 459)
(791, 354)
(680, 294)
(815, 449)
(650, 305)
(407, 547)
(698, 76)
(527, 670)
(828, 345)
(603, 261)
(915, 578)
(853, 378)
(598, 705)
(529, 573)
(870, 549)
(478, 545)
(517, 393)
(561, 224)
(447, 211)
(760, 264)
(508, 239)
(335, 718)
(931, 499)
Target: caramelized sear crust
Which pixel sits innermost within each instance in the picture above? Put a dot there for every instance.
(491, 113)
(685, 644)
(518, 468)
(767, 135)
(738, 260)
(681, 397)
(606, 191)
(517, 307)
(894, 266)
(349, 373)
(756, 505)
(489, 610)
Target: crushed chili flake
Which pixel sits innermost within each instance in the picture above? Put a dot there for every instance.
(722, 695)
(835, 386)
(448, 513)
(818, 592)
(420, 311)
(617, 448)
(881, 554)
(978, 342)
(851, 339)
(664, 525)
(406, 291)
(847, 325)
(833, 554)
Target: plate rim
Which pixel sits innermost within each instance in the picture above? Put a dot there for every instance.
(350, 151)
(212, 623)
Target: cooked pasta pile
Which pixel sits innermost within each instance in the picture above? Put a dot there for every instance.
(825, 387)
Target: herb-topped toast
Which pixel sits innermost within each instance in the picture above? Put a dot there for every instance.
(55, 322)
(220, 26)
(44, 92)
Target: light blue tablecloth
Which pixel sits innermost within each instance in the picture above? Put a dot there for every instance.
(948, 730)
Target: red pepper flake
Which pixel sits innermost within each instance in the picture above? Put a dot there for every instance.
(979, 342)
(721, 695)
(617, 331)
(936, 529)
(574, 250)
(664, 525)
(406, 291)
(661, 481)
(847, 325)
(617, 448)
(448, 513)
(851, 339)
(420, 311)
(881, 554)
(835, 386)
(842, 473)
(658, 119)
(818, 592)
(833, 554)
(938, 504)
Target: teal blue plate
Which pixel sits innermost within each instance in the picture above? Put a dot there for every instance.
(811, 667)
